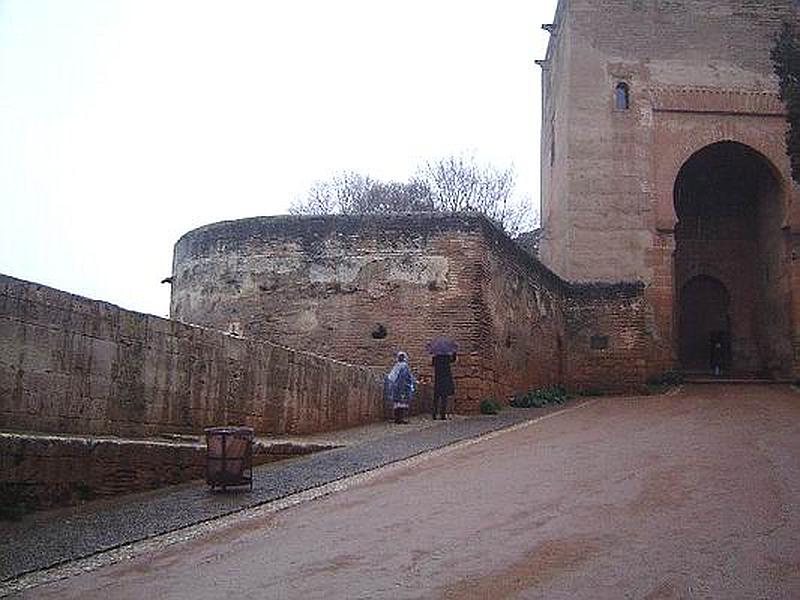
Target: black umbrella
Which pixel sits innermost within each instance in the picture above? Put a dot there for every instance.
(442, 345)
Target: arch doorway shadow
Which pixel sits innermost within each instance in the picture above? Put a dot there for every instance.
(730, 270)
(705, 325)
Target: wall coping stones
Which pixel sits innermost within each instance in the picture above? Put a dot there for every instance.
(309, 230)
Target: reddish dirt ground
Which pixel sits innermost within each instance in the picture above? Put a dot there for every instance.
(692, 495)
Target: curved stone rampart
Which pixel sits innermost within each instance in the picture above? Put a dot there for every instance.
(360, 288)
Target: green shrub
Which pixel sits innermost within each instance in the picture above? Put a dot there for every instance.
(538, 398)
(490, 407)
(668, 378)
(662, 381)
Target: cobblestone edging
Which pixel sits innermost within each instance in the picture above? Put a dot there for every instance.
(47, 540)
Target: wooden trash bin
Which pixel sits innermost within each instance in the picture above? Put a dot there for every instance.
(229, 456)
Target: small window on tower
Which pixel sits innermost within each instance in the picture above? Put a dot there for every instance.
(622, 96)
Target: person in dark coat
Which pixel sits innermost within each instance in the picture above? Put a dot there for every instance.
(443, 385)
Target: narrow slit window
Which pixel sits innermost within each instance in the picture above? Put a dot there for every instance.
(622, 96)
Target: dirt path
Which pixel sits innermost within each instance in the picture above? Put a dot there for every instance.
(695, 495)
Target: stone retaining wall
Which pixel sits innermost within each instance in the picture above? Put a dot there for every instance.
(45, 471)
(73, 365)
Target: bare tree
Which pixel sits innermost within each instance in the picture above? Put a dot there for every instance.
(461, 183)
(351, 193)
(393, 197)
(453, 184)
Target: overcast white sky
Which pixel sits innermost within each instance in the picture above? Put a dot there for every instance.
(126, 123)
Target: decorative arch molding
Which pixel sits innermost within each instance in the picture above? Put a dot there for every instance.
(768, 142)
(700, 99)
(727, 182)
(707, 274)
(704, 270)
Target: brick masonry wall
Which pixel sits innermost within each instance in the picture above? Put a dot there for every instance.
(523, 320)
(356, 288)
(329, 282)
(609, 333)
(73, 365)
(699, 73)
(541, 330)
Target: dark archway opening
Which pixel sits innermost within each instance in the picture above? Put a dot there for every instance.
(730, 274)
(705, 321)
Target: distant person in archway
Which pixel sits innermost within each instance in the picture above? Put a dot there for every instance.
(717, 353)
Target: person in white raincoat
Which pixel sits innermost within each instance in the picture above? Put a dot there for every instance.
(400, 385)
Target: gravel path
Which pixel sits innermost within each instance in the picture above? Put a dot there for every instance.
(48, 539)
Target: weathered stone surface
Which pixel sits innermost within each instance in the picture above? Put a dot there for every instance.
(73, 365)
(697, 74)
(329, 284)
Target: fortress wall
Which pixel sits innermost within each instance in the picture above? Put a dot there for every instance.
(523, 322)
(357, 288)
(609, 337)
(73, 365)
(328, 283)
(540, 330)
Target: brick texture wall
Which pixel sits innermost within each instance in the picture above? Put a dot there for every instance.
(328, 283)
(70, 364)
(609, 333)
(522, 322)
(354, 288)
(43, 472)
(698, 73)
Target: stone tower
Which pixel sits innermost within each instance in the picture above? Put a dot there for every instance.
(663, 161)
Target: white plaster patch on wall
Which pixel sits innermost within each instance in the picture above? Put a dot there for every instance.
(421, 270)
(338, 269)
(347, 270)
